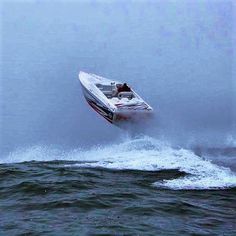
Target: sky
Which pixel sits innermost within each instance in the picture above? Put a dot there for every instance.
(178, 55)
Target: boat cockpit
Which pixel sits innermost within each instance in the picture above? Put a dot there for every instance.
(111, 91)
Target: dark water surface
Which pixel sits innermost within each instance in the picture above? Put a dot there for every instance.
(49, 198)
(123, 194)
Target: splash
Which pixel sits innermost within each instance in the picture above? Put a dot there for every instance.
(146, 154)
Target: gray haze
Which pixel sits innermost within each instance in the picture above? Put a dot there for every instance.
(179, 55)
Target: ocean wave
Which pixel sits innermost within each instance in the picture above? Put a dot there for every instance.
(144, 154)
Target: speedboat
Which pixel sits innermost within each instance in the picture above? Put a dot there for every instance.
(116, 106)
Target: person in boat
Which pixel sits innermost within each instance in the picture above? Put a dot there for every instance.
(124, 88)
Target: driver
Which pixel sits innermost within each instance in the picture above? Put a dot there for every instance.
(124, 88)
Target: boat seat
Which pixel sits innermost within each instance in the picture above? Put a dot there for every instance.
(128, 95)
(108, 94)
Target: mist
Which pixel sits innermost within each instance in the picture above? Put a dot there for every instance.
(178, 55)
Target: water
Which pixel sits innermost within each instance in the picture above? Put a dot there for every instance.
(139, 186)
(65, 170)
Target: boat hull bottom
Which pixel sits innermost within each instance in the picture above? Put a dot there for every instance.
(116, 118)
(120, 118)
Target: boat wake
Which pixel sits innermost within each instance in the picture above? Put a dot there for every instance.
(144, 154)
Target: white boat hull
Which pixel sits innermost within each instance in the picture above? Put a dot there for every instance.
(114, 112)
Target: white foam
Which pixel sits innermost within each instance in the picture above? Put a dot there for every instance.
(34, 153)
(145, 154)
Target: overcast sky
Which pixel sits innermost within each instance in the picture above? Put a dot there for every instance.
(178, 55)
